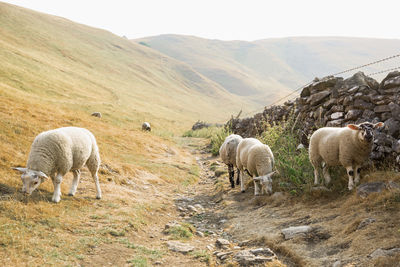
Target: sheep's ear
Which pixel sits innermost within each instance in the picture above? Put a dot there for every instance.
(20, 169)
(257, 178)
(42, 175)
(379, 125)
(353, 127)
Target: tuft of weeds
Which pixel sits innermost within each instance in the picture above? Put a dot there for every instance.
(295, 172)
(201, 255)
(184, 231)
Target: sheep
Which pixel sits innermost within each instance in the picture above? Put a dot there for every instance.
(60, 151)
(96, 114)
(258, 160)
(227, 151)
(146, 126)
(347, 146)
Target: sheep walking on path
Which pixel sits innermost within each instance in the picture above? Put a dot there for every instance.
(258, 160)
(348, 146)
(227, 151)
(56, 152)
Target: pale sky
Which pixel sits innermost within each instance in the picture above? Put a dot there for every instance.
(230, 19)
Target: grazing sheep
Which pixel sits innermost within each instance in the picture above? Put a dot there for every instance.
(96, 114)
(347, 146)
(60, 151)
(258, 160)
(146, 126)
(227, 151)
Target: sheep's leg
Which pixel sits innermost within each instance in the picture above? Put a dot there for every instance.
(96, 181)
(75, 181)
(241, 174)
(357, 173)
(350, 172)
(231, 175)
(256, 188)
(315, 166)
(325, 172)
(93, 166)
(57, 188)
(238, 177)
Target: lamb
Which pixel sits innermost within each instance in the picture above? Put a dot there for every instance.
(146, 126)
(347, 146)
(227, 151)
(60, 151)
(258, 160)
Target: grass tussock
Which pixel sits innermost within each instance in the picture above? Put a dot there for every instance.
(183, 231)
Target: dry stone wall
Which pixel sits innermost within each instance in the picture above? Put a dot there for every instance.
(333, 101)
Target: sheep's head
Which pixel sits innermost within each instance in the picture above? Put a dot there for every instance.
(30, 179)
(265, 181)
(366, 130)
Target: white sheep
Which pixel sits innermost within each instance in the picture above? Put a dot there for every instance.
(258, 160)
(227, 151)
(347, 146)
(146, 126)
(60, 151)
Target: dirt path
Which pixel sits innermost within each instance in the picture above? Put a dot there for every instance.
(234, 228)
(343, 230)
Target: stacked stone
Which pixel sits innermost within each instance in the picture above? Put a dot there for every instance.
(335, 102)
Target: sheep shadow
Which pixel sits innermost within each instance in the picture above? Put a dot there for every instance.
(9, 193)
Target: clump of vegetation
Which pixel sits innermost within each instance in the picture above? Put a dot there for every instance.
(202, 255)
(184, 231)
(295, 172)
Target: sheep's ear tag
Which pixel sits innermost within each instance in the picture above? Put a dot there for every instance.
(20, 169)
(379, 125)
(353, 127)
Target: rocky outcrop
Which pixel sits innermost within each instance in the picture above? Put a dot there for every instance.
(333, 101)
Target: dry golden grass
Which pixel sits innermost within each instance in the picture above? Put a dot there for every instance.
(55, 73)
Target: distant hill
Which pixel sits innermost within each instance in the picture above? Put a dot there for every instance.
(65, 63)
(262, 70)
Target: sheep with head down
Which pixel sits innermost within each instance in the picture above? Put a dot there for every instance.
(348, 146)
(227, 152)
(258, 160)
(59, 151)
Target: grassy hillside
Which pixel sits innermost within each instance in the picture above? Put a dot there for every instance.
(273, 67)
(56, 60)
(55, 73)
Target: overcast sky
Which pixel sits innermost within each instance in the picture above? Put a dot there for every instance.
(230, 19)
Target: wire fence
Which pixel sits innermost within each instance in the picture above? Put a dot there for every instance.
(335, 74)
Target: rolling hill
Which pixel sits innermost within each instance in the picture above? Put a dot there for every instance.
(63, 63)
(265, 69)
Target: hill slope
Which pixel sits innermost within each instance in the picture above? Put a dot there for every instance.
(272, 67)
(66, 63)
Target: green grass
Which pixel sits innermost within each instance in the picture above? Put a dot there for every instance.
(201, 255)
(184, 231)
(295, 172)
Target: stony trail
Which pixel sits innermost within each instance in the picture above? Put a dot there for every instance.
(280, 230)
(220, 226)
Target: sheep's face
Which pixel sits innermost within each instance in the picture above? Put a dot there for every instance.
(266, 182)
(366, 130)
(30, 179)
